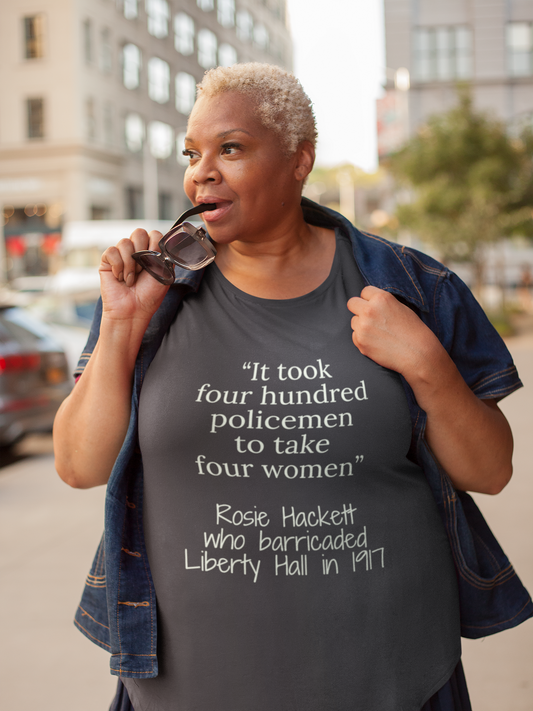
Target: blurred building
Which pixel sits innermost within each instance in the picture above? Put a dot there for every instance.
(488, 43)
(96, 95)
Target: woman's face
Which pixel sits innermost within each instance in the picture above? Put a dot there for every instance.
(239, 164)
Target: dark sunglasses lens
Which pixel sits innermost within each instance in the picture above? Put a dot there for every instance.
(158, 268)
(185, 250)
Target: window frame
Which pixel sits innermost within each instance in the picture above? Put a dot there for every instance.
(130, 70)
(222, 49)
(516, 55)
(158, 16)
(183, 105)
(34, 46)
(205, 61)
(158, 86)
(33, 101)
(226, 13)
(187, 31)
(442, 53)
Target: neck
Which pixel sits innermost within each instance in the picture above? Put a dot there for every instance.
(292, 260)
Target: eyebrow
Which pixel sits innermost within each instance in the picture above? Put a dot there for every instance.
(225, 133)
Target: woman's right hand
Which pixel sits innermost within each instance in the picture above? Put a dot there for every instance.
(92, 421)
(129, 292)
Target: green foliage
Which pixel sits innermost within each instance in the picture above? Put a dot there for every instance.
(471, 182)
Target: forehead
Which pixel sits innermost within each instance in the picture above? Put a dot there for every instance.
(215, 115)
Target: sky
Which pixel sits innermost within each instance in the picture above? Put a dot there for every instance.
(339, 59)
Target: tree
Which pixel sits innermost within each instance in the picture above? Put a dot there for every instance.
(471, 181)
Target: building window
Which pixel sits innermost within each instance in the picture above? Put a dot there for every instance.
(158, 80)
(261, 37)
(108, 124)
(184, 33)
(158, 17)
(165, 206)
(100, 213)
(207, 49)
(134, 203)
(278, 10)
(131, 10)
(227, 55)
(520, 49)
(180, 146)
(35, 110)
(105, 50)
(206, 5)
(226, 12)
(442, 53)
(90, 119)
(34, 37)
(161, 139)
(185, 92)
(131, 66)
(245, 26)
(88, 41)
(134, 132)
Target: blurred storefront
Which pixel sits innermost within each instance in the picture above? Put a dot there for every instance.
(32, 237)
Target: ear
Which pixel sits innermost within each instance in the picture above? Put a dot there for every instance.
(305, 159)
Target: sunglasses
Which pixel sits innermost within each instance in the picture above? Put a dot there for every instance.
(185, 245)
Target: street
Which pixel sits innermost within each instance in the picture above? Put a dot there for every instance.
(49, 533)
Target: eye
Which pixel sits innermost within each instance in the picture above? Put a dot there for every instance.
(229, 149)
(187, 153)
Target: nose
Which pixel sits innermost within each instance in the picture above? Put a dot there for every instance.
(205, 171)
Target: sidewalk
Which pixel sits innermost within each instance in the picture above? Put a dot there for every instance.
(49, 533)
(499, 669)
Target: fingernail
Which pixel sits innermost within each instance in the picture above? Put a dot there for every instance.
(129, 279)
(121, 276)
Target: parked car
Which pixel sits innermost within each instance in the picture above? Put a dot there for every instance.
(65, 302)
(34, 376)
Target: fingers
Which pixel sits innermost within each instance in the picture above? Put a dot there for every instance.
(379, 297)
(119, 259)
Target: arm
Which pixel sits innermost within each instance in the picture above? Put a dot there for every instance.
(470, 437)
(91, 424)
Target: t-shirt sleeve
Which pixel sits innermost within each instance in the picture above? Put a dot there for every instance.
(94, 333)
(473, 343)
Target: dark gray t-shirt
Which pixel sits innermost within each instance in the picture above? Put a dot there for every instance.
(298, 557)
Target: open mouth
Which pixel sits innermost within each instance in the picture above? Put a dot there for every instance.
(222, 207)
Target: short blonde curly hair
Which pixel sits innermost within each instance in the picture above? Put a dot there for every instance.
(281, 103)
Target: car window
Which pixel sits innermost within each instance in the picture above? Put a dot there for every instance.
(85, 310)
(22, 327)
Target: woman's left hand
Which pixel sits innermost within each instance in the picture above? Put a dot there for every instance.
(389, 333)
(470, 437)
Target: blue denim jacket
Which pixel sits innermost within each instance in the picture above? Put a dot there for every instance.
(118, 607)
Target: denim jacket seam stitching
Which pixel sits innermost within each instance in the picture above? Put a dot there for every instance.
(425, 267)
(98, 559)
(118, 585)
(496, 624)
(86, 614)
(486, 548)
(86, 631)
(436, 305)
(146, 572)
(494, 376)
(465, 572)
(131, 654)
(498, 392)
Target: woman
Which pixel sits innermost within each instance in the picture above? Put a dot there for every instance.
(269, 480)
